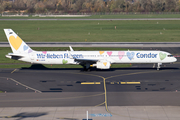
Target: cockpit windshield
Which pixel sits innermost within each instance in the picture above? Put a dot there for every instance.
(170, 55)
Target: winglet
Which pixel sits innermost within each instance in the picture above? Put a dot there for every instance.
(71, 48)
(70, 56)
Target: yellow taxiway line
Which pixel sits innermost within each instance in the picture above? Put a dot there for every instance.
(90, 83)
(130, 82)
(13, 71)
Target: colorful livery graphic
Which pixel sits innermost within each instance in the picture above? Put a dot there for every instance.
(98, 59)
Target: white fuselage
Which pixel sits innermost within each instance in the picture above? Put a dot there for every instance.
(98, 59)
(63, 57)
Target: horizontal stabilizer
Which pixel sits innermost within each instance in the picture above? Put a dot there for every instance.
(14, 56)
(19, 55)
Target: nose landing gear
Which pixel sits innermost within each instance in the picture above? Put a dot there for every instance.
(158, 67)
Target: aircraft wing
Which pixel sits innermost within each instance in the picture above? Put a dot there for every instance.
(84, 61)
(101, 64)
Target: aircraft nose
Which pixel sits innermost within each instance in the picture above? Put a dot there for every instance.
(174, 59)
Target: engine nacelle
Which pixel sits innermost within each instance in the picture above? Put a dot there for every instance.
(103, 65)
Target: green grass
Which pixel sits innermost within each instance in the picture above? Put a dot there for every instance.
(102, 16)
(135, 16)
(91, 31)
(10, 63)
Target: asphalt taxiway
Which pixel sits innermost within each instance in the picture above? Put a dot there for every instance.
(137, 93)
(74, 87)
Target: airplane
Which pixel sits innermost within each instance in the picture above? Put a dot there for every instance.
(99, 59)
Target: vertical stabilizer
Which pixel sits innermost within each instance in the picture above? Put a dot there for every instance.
(16, 43)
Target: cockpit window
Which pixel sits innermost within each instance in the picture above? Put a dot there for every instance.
(170, 55)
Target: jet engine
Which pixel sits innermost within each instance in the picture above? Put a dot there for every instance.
(102, 65)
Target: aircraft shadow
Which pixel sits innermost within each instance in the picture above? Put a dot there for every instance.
(42, 67)
(25, 115)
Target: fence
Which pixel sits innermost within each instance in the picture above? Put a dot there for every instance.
(8, 14)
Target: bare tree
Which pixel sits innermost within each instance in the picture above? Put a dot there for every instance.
(39, 7)
(51, 6)
(170, 5)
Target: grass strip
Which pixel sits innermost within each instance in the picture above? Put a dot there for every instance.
(94, 31)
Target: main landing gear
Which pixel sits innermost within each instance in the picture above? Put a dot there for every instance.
(158, 65)
(86, 67)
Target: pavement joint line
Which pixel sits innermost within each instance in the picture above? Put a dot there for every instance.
(165, 112)
(146, 112)
(73, 112)
(132, 116)
(25, 85)
(55, 113)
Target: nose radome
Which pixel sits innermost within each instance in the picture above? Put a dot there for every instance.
(174, 59)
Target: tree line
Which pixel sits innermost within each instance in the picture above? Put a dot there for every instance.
(88, 6)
